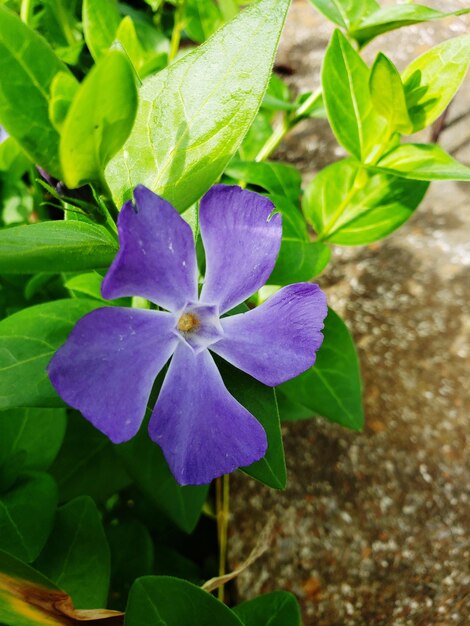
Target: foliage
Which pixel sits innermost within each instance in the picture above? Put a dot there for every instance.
(95, 98)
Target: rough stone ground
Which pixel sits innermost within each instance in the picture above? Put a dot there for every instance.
(373, 527)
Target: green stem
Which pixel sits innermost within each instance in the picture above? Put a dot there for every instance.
(274, 140)
(26, 11)
(177, 30)
(222, 492)
(64, 22)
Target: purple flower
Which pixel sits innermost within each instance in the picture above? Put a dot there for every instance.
(108, 365)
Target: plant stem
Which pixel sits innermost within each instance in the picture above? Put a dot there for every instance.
(177, 29)
(26, 10)
(222, 500)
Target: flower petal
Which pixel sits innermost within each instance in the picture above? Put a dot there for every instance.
(203, 431)
(241, 244)
(108, 365)
(157, 257)
(277, 340)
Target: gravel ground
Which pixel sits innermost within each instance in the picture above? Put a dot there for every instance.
(373, 527)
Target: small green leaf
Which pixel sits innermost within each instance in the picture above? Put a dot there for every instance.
(299, 261)
(351, 207)
(432, 79)
(276, 178)
(100, 22)
(99, 120)
(345, 12)
(76, 557)
(62, 246)
(194, 114)
(345, 79)
(332, 388)
(87, 463)
(279, 608)
(28, 339)
(165, 601)
(27, 515)
(63, 89)
(422, 161)
(260, 402)
(388, 95)
(146, 465)
(27, 67)
(202, 19)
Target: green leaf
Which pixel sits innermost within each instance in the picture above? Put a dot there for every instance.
(343, 12)
(279, 608)
(31, 438)
(88, 463)
(392, 17)
(299, 261)
(348, 206)
(27, 67)
(345, 79)
(293, 222)
(421, 161)
(99, 120)
(28, 339)
(62, 246)
(202, 19)
(332, 388)
(146, 465)
(27, 515)
(388, 95)
(76, 557)
(432, 79)
(277, 178)
(100, 22)
(193, 115)
(260, 402)
(64, 86)
(165, 601)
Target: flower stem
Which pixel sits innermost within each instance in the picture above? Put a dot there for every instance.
(26, 10)
(177, 29)
(222, 502)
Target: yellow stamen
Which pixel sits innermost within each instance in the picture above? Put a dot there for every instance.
(187, 322)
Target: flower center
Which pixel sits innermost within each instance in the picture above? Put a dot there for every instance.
(188, 322)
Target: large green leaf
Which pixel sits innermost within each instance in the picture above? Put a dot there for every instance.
(299, 261)
(345, 79)
(99, 119)
(388, 95)
(27, 515)
(422, 161)
(279, 608)
(392, 17)
(28, 339)
(76, 556)
(277, 178)
(63, 246)
(87, 463)
(261, 402)
(332, 388)
(348, 206)
(345, 12)
(31, 439)
(432, 79)
(165, 601)
(145, 463)
(193, 115)
(27, 68)
(100, 22)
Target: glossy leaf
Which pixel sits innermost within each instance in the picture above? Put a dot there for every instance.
(276, 178)
(261, 402)
(63, 89)
(76, 556)
(388, 95)
(31, 438)
(100, 22)
(391, 17)
(99, 120)
(349, 207)
(172, 602)
(26, 516)
(27, 67)
(146, 465)
(299, 261)
(28, 339)
(344, 12)
(432, 79)
(279, 608)
(424, 162)
(58, 246)
(332, 388)
(345, 79)
(188, 127)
